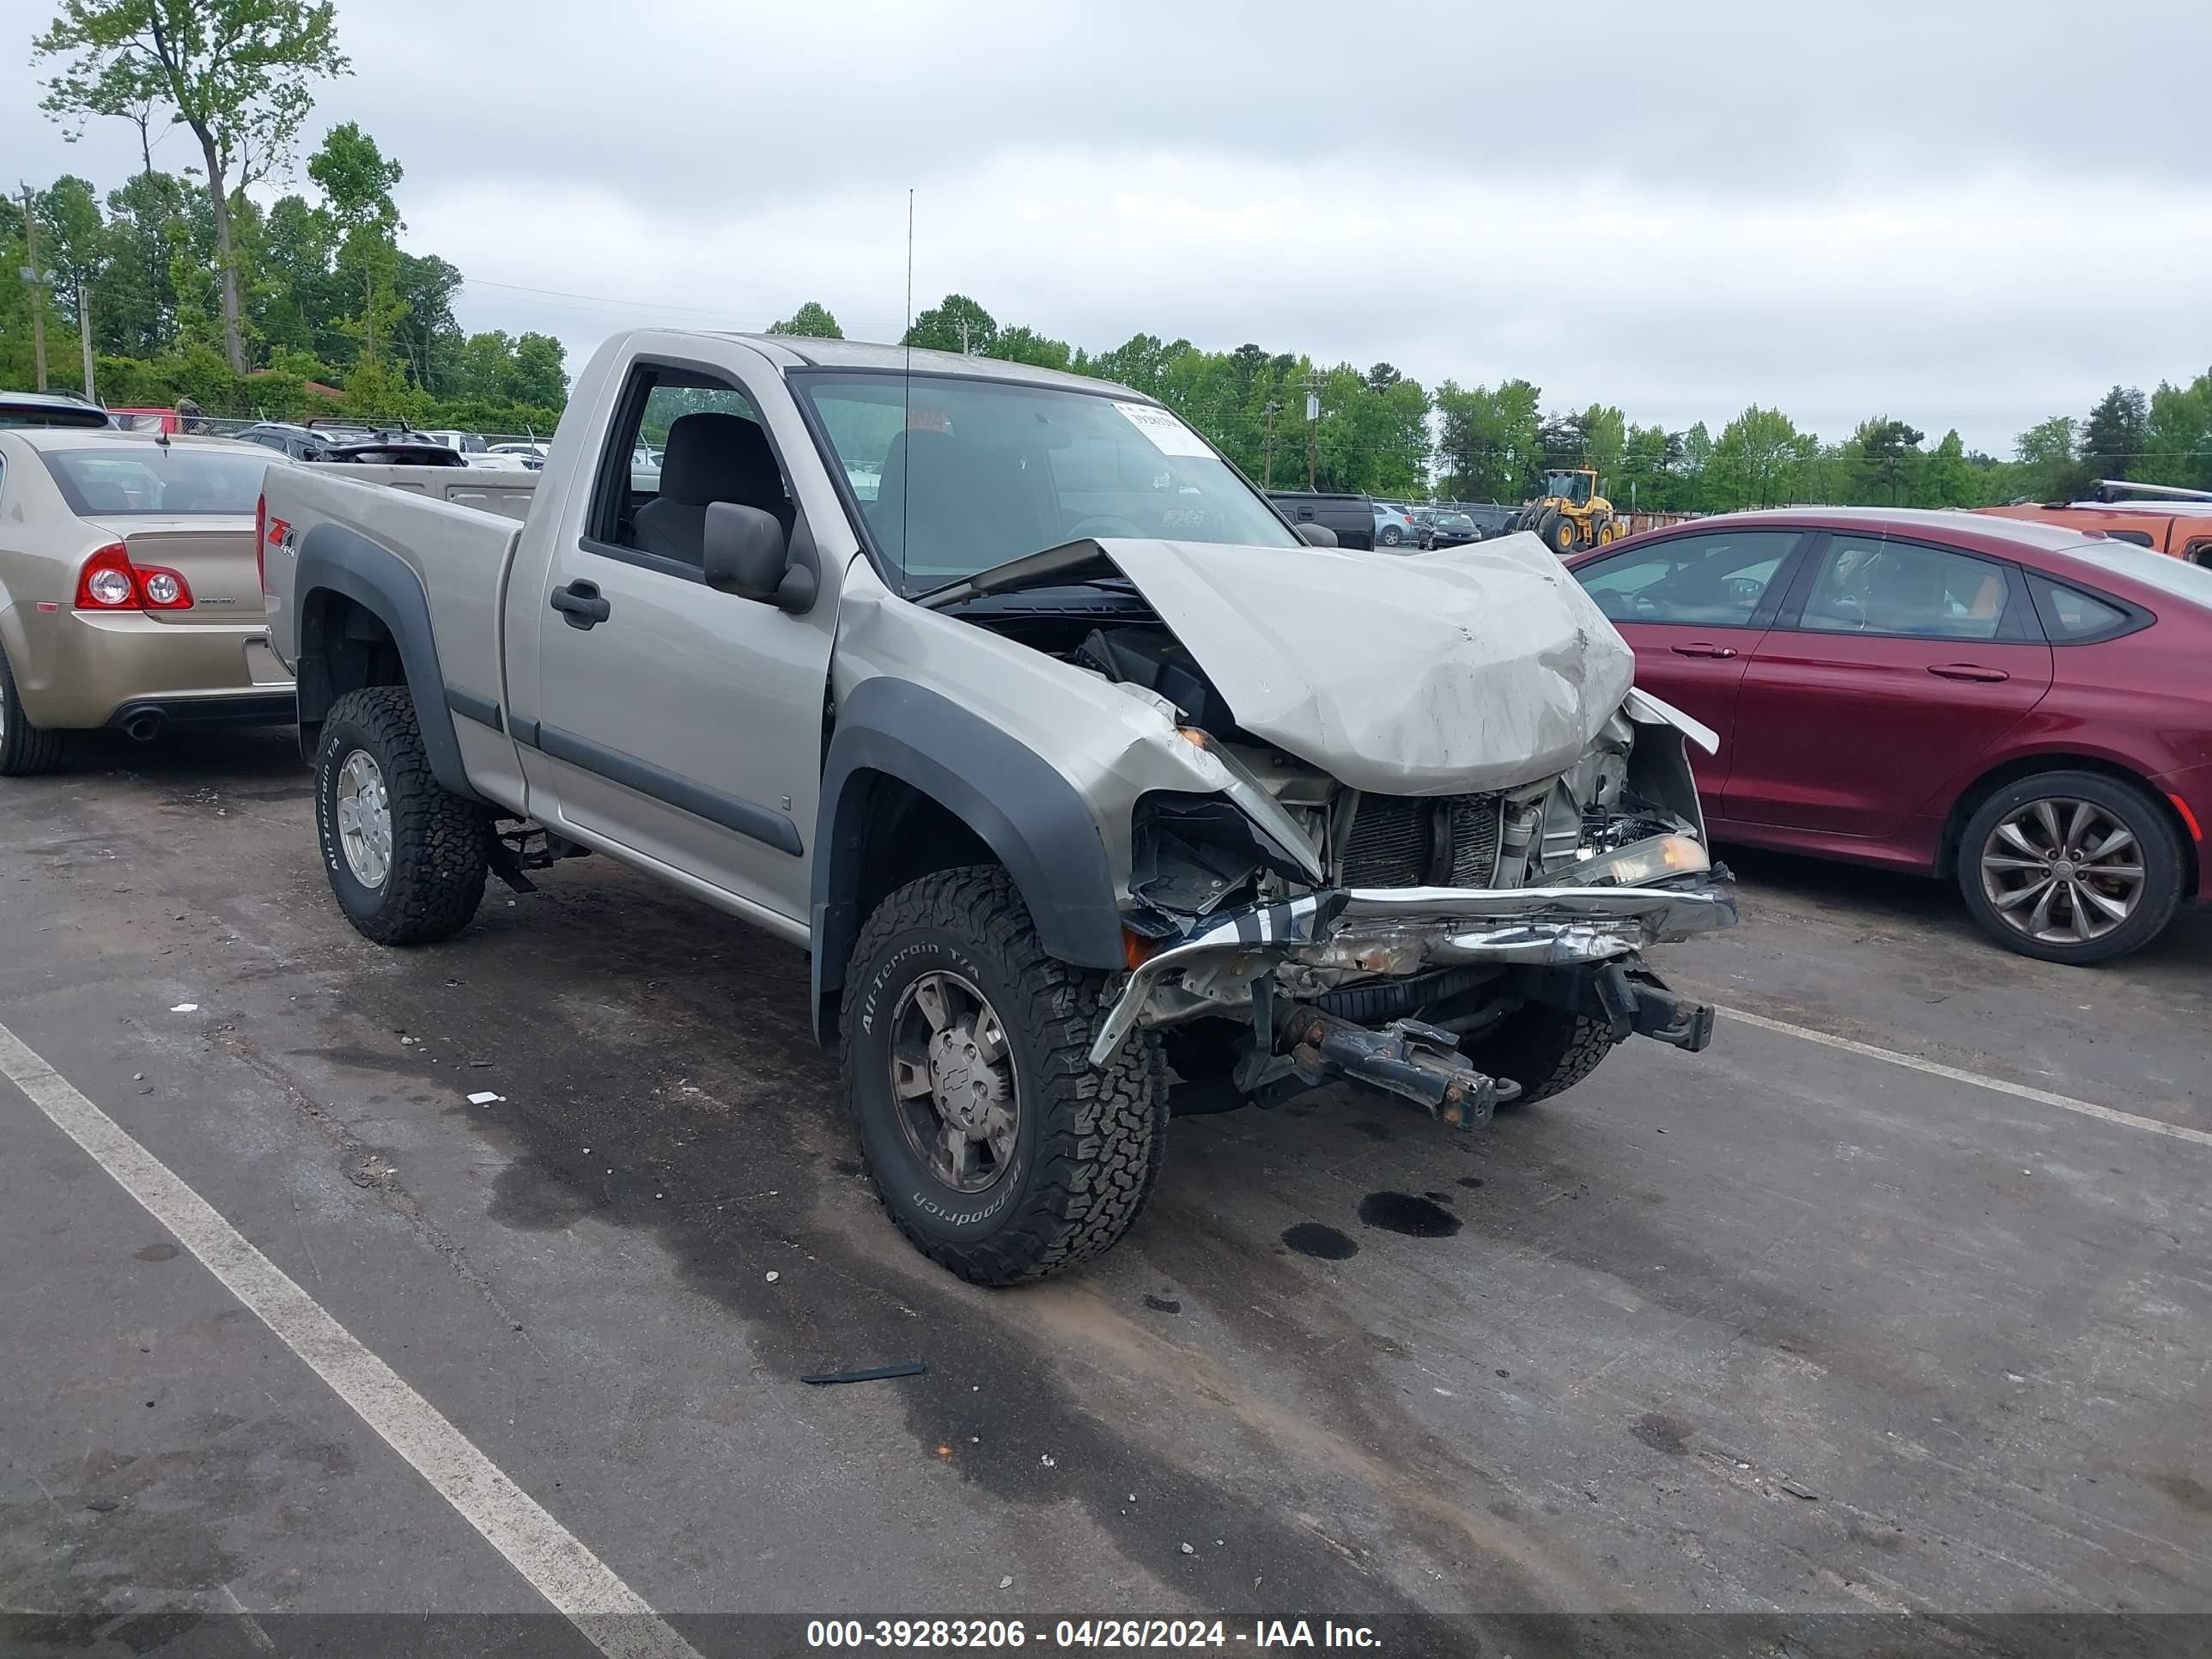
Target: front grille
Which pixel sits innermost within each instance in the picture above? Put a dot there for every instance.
(1405, 841)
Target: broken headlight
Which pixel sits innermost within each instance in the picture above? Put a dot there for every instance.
(1636, 864)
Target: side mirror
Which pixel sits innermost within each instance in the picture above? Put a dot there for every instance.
(748, 554)
(1316, 535)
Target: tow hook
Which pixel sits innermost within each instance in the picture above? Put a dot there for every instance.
(1416, 1062)
(1639, 1005)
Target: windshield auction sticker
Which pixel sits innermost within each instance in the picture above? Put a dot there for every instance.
(1166, 433)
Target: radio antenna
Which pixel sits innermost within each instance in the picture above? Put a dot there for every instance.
(906, 424)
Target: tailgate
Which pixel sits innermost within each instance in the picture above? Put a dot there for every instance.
(214, 555)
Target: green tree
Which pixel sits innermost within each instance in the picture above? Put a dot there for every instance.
(2050, 468)
(1887, 454)
(2112, 438)
(1947, 479)
(1491, 446)
(156, 223)
(811, 320)
(1605, 439)
(538, 375)
(234, 71)
(2177, 437)
(955, 322)
(1024, 344)
(1755, 460)
(356, 179)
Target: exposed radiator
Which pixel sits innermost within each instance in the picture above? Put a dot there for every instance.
(1441, 841)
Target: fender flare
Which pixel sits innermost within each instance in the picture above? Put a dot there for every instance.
(333, 559)
(1032, 818)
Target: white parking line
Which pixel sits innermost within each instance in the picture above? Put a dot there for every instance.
(1935, 1068)
(613, 1617)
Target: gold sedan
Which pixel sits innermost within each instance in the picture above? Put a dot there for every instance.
(130, 597)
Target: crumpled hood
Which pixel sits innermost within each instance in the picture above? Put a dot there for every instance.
(1465, 670)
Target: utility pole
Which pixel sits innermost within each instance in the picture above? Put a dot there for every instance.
(30, 273)
(84, 337)
(1313, 430)
(1267, 449)
(963, 339)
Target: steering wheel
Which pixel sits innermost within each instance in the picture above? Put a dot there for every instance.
(1641, 604)
(1104, 523)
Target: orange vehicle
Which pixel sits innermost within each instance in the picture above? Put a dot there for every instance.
(2173, 521)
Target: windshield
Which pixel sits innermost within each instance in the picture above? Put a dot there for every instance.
(2159, 570)
(957, 475)
(157, 478)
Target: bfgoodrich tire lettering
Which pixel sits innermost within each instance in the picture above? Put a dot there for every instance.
(435, 879)
(1088, 1141)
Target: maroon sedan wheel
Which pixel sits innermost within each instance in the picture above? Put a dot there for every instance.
(2071, 866)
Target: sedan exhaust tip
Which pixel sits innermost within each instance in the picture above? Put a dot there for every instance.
(142, 725)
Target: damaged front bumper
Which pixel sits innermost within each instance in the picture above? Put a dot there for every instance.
(1395, 933)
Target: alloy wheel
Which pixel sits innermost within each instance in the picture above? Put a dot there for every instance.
(2062, 871)
(952, 1080)
(364, 814)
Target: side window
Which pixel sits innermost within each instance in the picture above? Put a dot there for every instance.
(2071, 617)
(2139, 537)
(2078, 616)
(2199, 552)
(1702, 581)
(1902, 588)
(682, 440)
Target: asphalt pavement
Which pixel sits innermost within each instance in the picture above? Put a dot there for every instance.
(1782, 1329)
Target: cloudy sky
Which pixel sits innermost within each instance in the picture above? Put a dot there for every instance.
(1962, 212)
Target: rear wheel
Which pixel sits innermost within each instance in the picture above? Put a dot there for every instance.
(25, 749)
(996, 1146)
(1390, 535)
(1544, 1050)
(2073, 867)
(405, 855)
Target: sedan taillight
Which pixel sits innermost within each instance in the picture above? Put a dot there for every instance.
(109, 582)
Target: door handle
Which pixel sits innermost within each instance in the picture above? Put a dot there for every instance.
(580, 604)
(1701, 649)
(1967, 670)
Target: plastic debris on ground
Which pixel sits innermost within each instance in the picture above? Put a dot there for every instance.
(873, 1373)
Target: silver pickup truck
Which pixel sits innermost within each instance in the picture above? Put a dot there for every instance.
(1079, 771)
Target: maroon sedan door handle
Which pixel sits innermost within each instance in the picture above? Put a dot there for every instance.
(1701, 649)
(1967, 670)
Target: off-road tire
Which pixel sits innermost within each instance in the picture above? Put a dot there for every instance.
(25, 749)
(1563, 535)
(1544, 1050)
(2164, 869)
(1090, 1141)
(437, 878)
(1543, 524)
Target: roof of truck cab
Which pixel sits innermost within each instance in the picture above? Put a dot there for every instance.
(810, 352)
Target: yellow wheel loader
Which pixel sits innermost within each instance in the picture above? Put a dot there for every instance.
(1570, 514)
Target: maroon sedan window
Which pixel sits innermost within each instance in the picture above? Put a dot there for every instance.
(1901, 588)
(1715, 580)
(2079, 617)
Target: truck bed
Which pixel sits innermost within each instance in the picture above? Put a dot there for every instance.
(455, 527)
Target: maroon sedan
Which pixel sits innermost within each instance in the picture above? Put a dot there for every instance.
(2022, 706)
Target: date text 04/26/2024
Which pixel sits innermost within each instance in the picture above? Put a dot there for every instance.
(1008, 1635)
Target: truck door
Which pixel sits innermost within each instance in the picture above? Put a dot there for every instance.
(681, 724)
